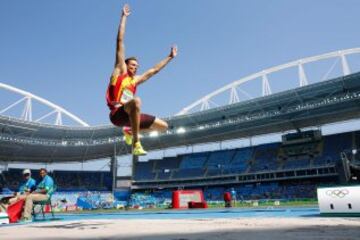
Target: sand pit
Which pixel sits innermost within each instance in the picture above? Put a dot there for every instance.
(194, 229)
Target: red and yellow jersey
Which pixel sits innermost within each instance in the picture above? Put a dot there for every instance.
(121, 89)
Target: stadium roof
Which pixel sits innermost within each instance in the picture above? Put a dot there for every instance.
(316, 104)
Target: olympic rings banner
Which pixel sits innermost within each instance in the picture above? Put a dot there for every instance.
(341, 199)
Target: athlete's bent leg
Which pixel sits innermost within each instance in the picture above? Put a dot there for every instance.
(159, 125)
(147, 123)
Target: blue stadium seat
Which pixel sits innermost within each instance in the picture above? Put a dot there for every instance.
(144, 171)
(188, 173)
(219, 159)
(297, 163)
(332, 147)
(195, 160)
(265, 157)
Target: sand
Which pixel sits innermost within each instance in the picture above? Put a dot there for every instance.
(194, 229)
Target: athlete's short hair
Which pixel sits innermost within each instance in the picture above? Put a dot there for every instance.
(129, 59)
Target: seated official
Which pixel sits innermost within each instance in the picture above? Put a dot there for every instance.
(42, 193)
(27, 186)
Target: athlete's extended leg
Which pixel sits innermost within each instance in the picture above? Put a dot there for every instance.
(132, 108)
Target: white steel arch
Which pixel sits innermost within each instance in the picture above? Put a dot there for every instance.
(27, 111)
(203, 102)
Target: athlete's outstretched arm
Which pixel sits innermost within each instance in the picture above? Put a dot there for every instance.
(152, 71)
(120, 66)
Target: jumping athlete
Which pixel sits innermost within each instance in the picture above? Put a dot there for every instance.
(120, 96)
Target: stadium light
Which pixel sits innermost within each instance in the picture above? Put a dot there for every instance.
(180, 130)
(154, 134)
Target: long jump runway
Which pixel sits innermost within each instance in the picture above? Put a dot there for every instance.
(219, 224)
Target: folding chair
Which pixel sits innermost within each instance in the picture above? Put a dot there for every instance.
(43, 205)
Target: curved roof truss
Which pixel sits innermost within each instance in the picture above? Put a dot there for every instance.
(27, 113)
(205, 102)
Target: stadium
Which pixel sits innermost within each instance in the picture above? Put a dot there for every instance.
(279, 179)
(285, 171)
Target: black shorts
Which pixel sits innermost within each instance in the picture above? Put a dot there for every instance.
(120, 118)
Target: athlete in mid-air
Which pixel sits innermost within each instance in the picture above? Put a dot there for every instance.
(120, 96)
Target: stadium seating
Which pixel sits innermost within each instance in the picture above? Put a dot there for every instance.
(265, 158)
(219, 159)
(65, 180)
(195, 160)
(144, 170)
(167, 163)
(297, 162)
(332, 147)
(240, 161)
(261, 158)
(189, 173)
(213, 172)
(165, 166)
(164, 175)
(214, 193)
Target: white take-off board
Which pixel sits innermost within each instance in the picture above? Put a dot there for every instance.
(4, 219)
(339, 199)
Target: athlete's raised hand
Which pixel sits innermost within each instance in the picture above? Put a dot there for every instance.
(154, 70)
(173, 52)
(126, 10)
(120, 66)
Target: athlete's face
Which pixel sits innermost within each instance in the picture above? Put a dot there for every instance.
(132, 67)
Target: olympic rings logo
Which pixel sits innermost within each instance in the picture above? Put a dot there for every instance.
(337, 193)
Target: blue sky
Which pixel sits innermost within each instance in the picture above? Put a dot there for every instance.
(64, 50)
